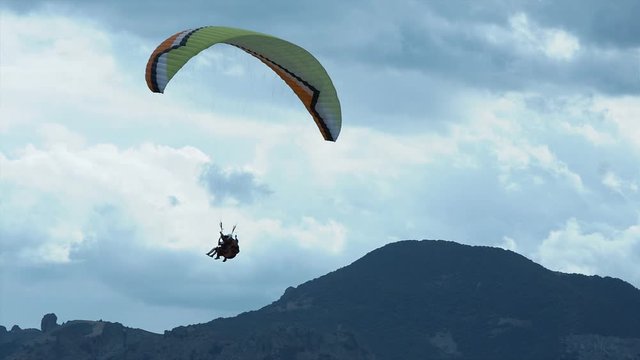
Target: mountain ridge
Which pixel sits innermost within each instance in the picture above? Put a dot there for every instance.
(410, 299)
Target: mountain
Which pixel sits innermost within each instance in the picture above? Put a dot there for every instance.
(406, 300)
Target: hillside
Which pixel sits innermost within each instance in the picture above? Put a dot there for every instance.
(406, 300)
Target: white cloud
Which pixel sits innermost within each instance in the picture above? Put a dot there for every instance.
(227, 60)
(556, 44)
(49, 61)
(560, 45)
(497, 129)
(72, 143)
(93, 85)
(315, 235)
(611, 181)
(624, 113)
(58, 70)
(61, 242)
(615, 183)
(139, 180)
(606, 252)
(375, 155)
(505, 128)
(516, 157)
(588, 132)
(54, 134)
(509, 243)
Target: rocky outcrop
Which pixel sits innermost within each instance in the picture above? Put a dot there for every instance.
(49, 322)
(77, 340)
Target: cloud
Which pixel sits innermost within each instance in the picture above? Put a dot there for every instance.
(518, 157)
(590, 133)
(622, 112)
(618, 185)
(104, 211)
(508, 244)
(74, 181)
(593, 21)
(237, 186)
(116, 190)
(116, 253)
(310, 233)
(54, 134)
(173, 201)
(553, 43)
(523, 46)
(591, 249)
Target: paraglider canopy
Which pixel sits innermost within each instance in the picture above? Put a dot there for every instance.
(297, 67)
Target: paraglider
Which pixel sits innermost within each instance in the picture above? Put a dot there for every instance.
(296, 66)
(227, 246)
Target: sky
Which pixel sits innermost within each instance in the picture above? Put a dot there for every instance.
(497, 123)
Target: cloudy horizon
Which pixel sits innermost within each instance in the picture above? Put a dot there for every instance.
(510, 124)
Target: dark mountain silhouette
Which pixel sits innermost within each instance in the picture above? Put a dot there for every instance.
(406, 300)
